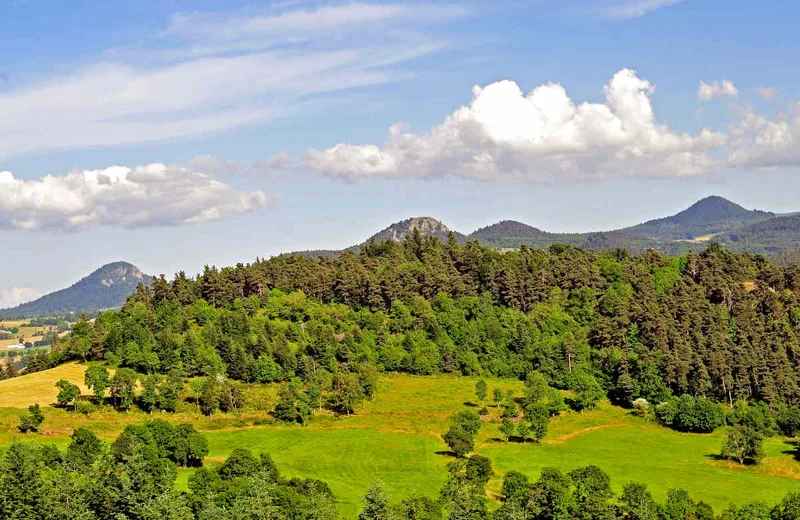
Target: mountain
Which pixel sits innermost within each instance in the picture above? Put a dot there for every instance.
(706, 217)
(105, 288)
(712, 218)
(427, 226)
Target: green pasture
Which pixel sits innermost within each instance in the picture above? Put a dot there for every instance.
(396, 439)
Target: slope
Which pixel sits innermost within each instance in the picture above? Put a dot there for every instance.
(708, 216)
(105, 288)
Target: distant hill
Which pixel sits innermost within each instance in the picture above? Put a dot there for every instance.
(777, 235)
(708, 216)
(427, 226)
(710, 219)
(510, 234)
(105, 288)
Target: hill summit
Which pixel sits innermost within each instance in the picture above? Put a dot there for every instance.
(705, 217)
(105, 288)
(427, 226)
(508, 233)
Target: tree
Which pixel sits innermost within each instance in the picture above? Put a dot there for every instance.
(375, 505)
(459, 440)
(83, 450)
(31, 421)
(515, 485)
(636, 503)
(148, 398)
(524, 430)
(538, 417)
(497, 396)
(123, 386)
(535, 388)
(68, 393)
(97, 378)
(169, 392)
(208, 400)
(507, 428)
(479, 469)
(743, 444)
(481, 390)
(587, 390)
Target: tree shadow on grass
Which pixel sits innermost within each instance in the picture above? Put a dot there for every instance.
(447, 453)
(719, 458)
(794, 448)
(469, 404)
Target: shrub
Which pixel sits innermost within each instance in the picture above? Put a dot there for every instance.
(687, 414)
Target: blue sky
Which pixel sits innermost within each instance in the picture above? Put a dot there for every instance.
(172, 134)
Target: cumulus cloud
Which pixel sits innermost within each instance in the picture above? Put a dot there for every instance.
(766, 93)
(761, 143)
(637, 8)
(144, 196)
(714, 90)
(210, 72)
(543, 136)
(16, 296)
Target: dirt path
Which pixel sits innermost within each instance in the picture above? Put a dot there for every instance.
(574, 434)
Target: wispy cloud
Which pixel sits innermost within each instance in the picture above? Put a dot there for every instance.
(209, 72)
(636, 8)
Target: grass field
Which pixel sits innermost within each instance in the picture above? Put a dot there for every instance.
(396, 438)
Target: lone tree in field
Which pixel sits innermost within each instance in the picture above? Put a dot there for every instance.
(31, 421)
(497, 396)
(743, 444)
(481, 390)
(507, 428)
(68, 393)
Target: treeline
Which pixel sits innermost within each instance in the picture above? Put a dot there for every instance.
(582, 494)
(134, 479)
(716, 324)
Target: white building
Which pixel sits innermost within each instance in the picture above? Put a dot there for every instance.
(17, 346)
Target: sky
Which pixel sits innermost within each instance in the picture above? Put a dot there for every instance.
(175, 134)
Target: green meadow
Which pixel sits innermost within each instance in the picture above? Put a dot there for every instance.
(396, 438)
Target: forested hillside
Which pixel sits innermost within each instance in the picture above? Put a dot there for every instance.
(714, 324)
(708, 216)
(105, 288)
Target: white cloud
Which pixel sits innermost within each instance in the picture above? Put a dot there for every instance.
(211, 72)
(637, 8)
(144, 196)
(766, 93)
(212, 166)
(761, 143)
(544, 136)
(715, 89)
(279, 161)
(16, 296)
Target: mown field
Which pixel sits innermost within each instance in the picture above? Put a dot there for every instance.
(396, 438)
